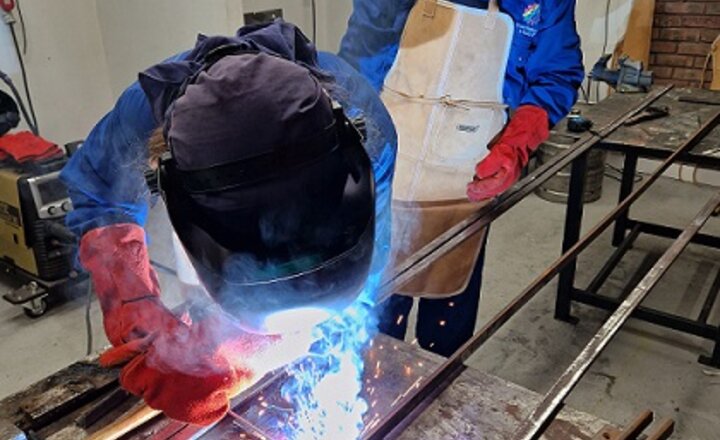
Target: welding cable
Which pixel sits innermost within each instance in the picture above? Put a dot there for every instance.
(606, 37)
(88, 322)
(314, 21)
(22, 25)
(162, 268)
(23, 72)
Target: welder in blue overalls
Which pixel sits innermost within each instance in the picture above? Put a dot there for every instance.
(451, 74)
(280, 198)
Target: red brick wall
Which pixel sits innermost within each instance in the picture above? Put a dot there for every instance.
(682, 35)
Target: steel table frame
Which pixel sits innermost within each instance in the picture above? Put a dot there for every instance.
(625, 232)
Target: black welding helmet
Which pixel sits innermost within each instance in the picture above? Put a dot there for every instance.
(9, 114)
(270, 191)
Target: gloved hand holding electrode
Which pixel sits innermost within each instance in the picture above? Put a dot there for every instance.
(271, 191)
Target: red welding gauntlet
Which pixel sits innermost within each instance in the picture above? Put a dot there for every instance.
(192, 373)
(126, 285)
(187, 370)
(501, 168)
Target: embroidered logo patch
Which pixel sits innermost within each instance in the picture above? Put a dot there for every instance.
(531, 14)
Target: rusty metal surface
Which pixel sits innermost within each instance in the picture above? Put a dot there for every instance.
(59, 394)
(665, 134)
(473, 403)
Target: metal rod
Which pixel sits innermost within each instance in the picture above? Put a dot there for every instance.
(534, 425)
(444, 243)
(613, 261)
(710, 300)
(647, 314)
(460, 232)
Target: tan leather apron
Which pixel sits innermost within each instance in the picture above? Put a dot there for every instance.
(444, 93)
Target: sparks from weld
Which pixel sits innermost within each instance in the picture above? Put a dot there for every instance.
(442, 323)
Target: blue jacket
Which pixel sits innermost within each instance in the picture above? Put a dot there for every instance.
(105, 178)
(545, 66)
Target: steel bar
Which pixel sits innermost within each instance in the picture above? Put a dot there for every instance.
(670, 232)
(431, 252)
(534, 425)
(613, 261)
(457, 234)
(657, 317)
(710, 300)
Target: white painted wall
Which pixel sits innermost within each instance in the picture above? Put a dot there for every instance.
(66, 67)
(139, 33)
(83, 53)
(590, 18)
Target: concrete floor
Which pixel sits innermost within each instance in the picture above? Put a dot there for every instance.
(644, 368)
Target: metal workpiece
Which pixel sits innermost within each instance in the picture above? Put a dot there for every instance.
(533, 426)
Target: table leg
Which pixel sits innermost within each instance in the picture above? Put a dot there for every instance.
(626, 187)
(573, 223)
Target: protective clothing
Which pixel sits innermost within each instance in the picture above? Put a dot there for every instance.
(106, 181)
(544, 70)
(545, 65)
(496, 173)
(125, 283)
(446, 113)
(188, 373)
(280, 228)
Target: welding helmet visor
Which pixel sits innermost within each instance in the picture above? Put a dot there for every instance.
(281, 240)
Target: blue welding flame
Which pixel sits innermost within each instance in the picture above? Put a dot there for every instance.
(325, 389)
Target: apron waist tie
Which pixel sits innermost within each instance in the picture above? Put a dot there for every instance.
(449, 101)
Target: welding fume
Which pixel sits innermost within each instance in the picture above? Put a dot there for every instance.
(274, 162)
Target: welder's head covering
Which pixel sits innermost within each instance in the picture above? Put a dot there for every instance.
(244, 106)
(269, 189)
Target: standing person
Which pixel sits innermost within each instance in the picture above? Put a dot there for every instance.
(451, 74)
(280, 203)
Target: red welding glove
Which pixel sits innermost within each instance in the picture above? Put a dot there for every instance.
(501, 168)
(126, 285)
(192, 373)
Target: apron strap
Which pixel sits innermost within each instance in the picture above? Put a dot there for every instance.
(493, 10)
(429, 7)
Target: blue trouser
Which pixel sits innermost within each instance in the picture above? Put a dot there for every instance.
(443, 325)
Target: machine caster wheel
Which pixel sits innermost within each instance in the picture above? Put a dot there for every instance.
(37, 308)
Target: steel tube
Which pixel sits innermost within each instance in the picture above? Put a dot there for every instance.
(534, 425)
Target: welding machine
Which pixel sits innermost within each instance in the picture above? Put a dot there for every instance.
(35, 247)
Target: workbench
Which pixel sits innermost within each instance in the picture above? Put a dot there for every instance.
(475, 405)
(653, 139)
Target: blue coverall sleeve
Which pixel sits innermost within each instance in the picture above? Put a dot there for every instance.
(105, 178)
(554, 68)
(359, 99)
(373, 37)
